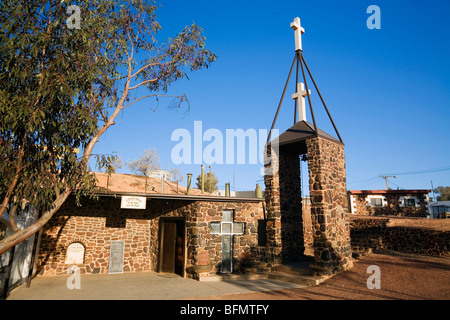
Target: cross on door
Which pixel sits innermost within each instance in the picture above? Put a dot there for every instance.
(227, 228)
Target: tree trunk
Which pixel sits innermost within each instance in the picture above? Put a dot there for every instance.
(21, 235)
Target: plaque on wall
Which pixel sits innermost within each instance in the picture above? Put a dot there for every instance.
(132, 202)
(116, 256)
(75, 254)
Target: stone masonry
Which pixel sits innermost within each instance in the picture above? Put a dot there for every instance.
(329, 209)
(392, 203)
(98, 222)
(324, 228)
(392, 233)
(284, 208)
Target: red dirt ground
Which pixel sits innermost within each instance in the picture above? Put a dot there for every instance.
(403, 276)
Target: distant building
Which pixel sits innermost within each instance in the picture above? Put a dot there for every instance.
(439, 209)
(161, 174)
(411, 203)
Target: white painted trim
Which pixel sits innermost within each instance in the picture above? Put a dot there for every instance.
(352, 204)
(370, 197)
(403, 198)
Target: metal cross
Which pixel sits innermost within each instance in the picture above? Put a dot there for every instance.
(298, 30)
(300, 95)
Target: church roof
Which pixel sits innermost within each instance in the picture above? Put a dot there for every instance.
(130, 184)
(296, 135)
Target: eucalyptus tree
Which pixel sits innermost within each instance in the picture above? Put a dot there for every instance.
(66, 72)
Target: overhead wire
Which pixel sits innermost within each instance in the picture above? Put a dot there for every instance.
(422, 171)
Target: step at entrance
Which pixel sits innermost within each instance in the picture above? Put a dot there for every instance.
(298, 272)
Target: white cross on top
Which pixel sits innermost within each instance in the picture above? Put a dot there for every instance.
(300, 95)
(298, 30)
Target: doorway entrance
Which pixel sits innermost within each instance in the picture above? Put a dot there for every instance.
(172, 246)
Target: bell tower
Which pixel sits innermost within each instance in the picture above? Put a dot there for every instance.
(304, 141)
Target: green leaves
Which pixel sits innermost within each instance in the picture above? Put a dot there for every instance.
(171, 61)
(58, 86)
(46, 108)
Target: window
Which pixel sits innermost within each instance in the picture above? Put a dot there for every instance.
(409, 202)
(227, 215)
(262, 236)
(227, 227)
(376, 202)
(214, 227)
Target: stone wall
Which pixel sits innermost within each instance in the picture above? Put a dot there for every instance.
(98, 222)
(323, 228)
(329, 209)
(285, 228)
(378, 234)
(206, 248)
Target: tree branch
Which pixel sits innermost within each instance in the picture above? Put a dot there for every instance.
(12, 218)
(152, 95)
(143, 82)
(147, 66)
(21, 235)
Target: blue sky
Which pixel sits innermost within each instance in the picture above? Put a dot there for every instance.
(388, 90)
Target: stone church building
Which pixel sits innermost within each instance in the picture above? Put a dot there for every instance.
(190, 235)
(163, 227)
(199, 235)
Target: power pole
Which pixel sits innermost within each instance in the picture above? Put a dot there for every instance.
(386, 179)
(432, 190)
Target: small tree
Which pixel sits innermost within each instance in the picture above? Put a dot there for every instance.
(64, 84)
(146, 162)
(444, 193)
(176, 175)
(210, 183)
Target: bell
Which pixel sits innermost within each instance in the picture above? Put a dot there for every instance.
(304, 157)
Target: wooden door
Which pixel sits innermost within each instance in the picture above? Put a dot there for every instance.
(168, 246)
(172, 247)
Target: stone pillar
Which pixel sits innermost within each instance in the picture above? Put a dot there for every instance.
(273, 215)
(284, 208)
(329, 209)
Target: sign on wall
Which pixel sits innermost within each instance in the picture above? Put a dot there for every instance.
(133, 202)
(75, 254)
(116, 252)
